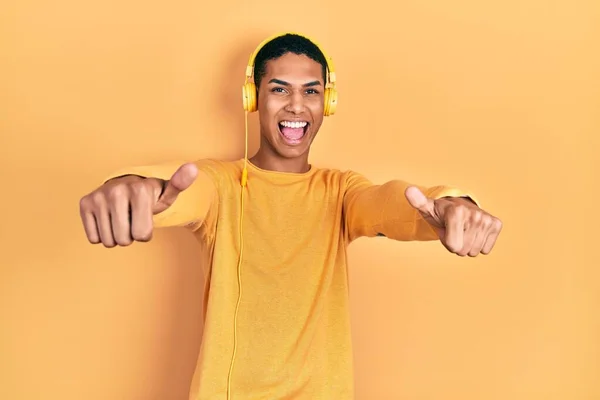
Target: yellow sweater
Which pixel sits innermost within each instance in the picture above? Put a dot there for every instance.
(293, 326)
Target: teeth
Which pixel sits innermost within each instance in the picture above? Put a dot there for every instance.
(295, 124)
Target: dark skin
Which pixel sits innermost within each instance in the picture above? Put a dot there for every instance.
(292, 90)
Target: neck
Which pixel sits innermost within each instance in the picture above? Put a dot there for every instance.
(271, 162)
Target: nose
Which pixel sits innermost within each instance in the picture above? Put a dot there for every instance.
(296, 103)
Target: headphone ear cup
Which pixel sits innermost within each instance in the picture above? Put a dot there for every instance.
(330, 101)
(249, 97)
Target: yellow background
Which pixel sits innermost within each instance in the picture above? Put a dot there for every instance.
(500, 97)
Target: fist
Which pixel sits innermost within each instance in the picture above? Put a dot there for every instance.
(120, 211)
(463, 228)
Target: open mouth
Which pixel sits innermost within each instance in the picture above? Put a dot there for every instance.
(293, 131)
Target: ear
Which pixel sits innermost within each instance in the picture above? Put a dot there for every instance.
(257, 98)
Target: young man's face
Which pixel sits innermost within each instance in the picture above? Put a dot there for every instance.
(290, 104)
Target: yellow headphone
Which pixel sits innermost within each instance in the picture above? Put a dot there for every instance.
(250, 105)
(249, 88)
(249, 94)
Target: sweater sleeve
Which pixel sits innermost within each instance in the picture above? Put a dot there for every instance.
(192, 206)
(382, 210)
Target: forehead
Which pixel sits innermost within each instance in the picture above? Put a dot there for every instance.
(294, 68)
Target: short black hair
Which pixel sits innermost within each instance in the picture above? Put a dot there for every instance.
(288, 43)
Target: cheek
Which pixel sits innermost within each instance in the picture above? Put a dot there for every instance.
(316, 109)
(315, 103)
(269, 106)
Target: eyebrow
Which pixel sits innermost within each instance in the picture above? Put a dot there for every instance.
(284, 83)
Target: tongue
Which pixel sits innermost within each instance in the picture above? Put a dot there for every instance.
(292, 133)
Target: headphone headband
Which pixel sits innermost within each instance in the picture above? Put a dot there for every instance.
(330, 68)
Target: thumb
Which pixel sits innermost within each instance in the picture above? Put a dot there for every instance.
(418, 200)
(180, 181)
(426, 206)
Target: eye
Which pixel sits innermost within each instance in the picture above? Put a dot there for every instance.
(278, 90)
(312, 91)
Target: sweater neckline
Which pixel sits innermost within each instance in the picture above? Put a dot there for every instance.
(279, 174)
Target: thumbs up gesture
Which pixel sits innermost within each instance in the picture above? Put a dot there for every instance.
(463, 227)
(120, 211)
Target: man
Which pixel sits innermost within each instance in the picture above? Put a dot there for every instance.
(274, 249)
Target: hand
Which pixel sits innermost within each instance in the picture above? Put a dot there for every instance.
(120, 211)
(463, 227)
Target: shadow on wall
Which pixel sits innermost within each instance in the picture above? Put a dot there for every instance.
(178, 326)
(230, 99)
(177, 367)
